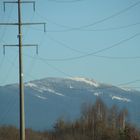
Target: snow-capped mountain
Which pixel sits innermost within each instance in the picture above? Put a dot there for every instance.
(48, 99)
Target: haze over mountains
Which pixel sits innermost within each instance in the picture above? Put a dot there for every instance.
(46, 100)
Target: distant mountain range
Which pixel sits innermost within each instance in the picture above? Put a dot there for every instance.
(48, 99)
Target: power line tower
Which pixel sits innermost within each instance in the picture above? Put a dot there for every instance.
(19, 24)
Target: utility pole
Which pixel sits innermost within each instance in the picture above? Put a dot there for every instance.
(20, 46)
(21, 86)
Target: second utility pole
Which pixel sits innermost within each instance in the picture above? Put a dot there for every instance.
(21, 86)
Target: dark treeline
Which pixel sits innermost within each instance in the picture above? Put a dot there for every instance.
(97, 122)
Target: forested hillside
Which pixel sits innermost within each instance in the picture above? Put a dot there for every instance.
(97, 122)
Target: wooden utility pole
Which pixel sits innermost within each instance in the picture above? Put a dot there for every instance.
(21, 86)
(20, 46)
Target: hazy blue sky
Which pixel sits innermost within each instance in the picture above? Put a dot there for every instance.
(98, 39)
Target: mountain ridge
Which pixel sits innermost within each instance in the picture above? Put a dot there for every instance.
(48, 99)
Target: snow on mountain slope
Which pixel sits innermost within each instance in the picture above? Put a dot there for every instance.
(85, 80)
(31, 85)
(52, 91)
(120, 98)
(126, 89)
(42, 88)
(40, 97)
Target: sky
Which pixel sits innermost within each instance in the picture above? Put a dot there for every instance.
(97, 39)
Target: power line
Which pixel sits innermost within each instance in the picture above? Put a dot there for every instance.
(5, 29)
(27, 31)
(97, 22)
(69, 29)
(111, 16)
(82, 52)
(114, 28)
(129, 82)
(118, 57)
(46, 63)
(132, 87)
(92, 53)
(8, 71)
(99, 29)
(65, 45)
(53, 22)
(98, 56)
(31, 65)
(50, 65)
(1, 62)
(65, 1)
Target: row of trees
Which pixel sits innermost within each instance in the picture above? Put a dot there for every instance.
(97, 122)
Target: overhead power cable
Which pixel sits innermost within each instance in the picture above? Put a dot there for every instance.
(126, 84)
(113, 28)
(5, 29)
(118, 57)
(1, 62)
(52, 22)
(46, 63)
(82, 52)
(68, 28)
(8, 72)
(99, 56)
(99, 21)
(112, 16)
(50, 65)
(65, 1)
(65, 45)
(129, 82)
(99, 29)
(121, 85)
(92, 53)
(131, 87)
